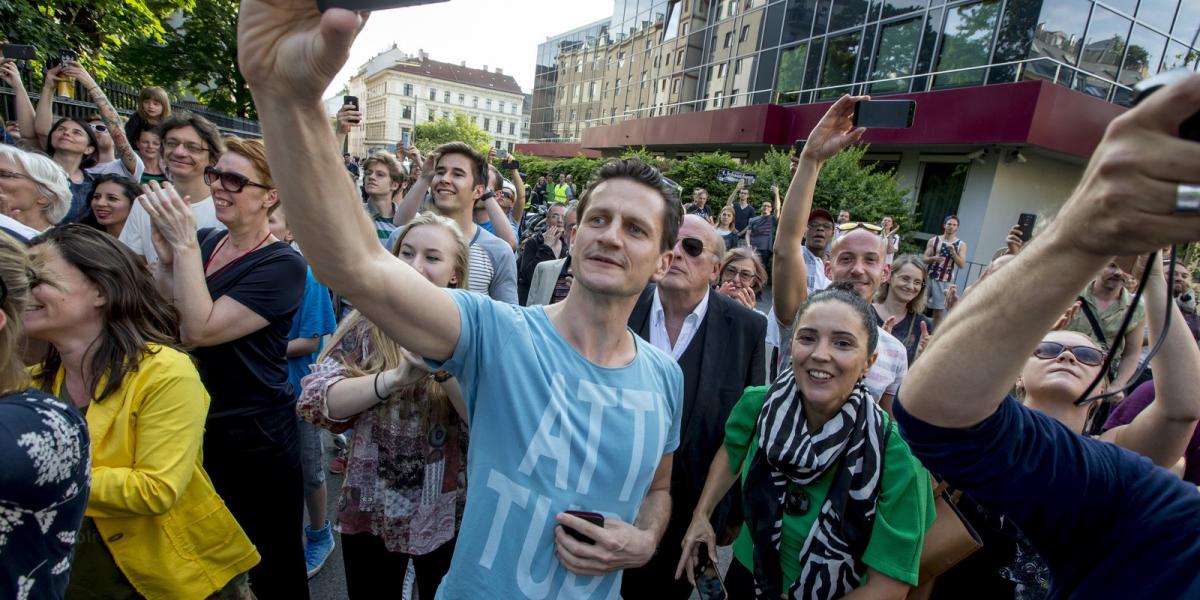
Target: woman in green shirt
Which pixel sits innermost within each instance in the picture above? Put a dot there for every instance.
(835, 504)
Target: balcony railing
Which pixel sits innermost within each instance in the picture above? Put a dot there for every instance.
(124, 98)
(1041, 68)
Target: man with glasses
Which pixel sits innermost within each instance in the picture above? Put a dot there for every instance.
(719, 345)
(190, 144)
(859, 254)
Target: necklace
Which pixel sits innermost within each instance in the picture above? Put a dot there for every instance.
(232, 262)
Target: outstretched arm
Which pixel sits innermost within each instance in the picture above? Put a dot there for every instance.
(1124, 205)
(24, 107)
(834, 132)
(1162, 431)
(113, 121)
(288, 52)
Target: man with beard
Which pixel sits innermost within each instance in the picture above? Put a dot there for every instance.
(1102, 308)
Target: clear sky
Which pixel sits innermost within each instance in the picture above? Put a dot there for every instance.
(496, 33)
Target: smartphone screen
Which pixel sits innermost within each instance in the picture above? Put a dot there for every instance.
(895, 114)
(798, 147)
(18, 51)
(352, 100)
(1026, 222)
(708, 581)
(359, 5)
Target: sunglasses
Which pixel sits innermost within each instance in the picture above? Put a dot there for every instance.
(852, 225)
(1084, 354)
(230, 181)
(692, 246)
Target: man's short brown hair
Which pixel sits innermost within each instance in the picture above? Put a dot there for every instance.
(204, 128)
(639, 171)
(479, 164)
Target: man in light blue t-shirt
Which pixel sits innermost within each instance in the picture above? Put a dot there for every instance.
(568, 408)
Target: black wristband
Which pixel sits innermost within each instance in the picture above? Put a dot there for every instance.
(375, 387)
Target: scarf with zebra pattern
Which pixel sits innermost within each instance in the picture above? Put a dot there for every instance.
(789, 456)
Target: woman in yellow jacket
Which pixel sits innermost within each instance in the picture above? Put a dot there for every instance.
(154, 526)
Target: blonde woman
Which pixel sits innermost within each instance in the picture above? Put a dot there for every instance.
(405, 484)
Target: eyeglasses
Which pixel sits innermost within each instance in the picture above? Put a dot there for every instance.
(692, 246)
(732, 272)
(852, 225)
(172, 144)
(98, 128)
(230, 181)
(1084, 354)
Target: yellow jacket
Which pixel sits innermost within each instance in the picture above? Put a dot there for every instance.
(167, 529)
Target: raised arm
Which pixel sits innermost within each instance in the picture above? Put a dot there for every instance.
(113, 121)
(834, 132)
(348, 117)
(288, 52)
(44, 117)
(24, 107)
(407, 208)
(518, 211)
(1162, 431)
(1125, 205)
(500, 221)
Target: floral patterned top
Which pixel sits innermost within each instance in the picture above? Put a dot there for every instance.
(45, 453)
(406, 472)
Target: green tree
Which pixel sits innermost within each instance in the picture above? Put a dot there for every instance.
(96, 29)
(700, 170)
(457, 128)
(198, 57)
(847, 183)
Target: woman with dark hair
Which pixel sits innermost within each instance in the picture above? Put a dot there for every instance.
(833, 499)
(155, 528)
(77, 146)
(405, 487)
(236, 291)
(112, 198)
(903, 297)
(43, 450)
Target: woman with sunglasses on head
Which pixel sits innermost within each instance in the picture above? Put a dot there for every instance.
(236, 291)
(112, 199)
(902, 298)
(44, 450)
(154, 526)
(74, 143)
(34, 192)
(834, 502)
(405, 487)
(741, 276)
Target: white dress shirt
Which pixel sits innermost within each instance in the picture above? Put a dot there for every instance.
(658, 326)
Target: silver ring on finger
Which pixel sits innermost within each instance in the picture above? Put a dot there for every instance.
(1187, 198)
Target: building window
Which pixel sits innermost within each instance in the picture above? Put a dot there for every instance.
(721, 68)
(512, 127)
(737, 66)
(841, 55)
(667, 62)
(940, 190)
(432, 116)
(671, 26)
(475, 101)
(408, 89)
(487, 123)
(501, 107)
(617, 87)
(446, 97)
(488, 103)
(462, 98)
(432, 94)
(406, 112)
(499, 126)
(967, 42)
(728, 40)
(733, 97)
(896, 53)
(591, 92)
(679, 59)
(745, 33)
(675, 86)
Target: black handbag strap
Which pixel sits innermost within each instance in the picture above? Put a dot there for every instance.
(1093, 321)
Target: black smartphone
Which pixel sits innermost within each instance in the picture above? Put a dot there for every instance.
(594, 518)
(18, 51)
(894, 114)
(798, 147)
(360, 5)
(1026, 222)
(65, 56)
(352, 100)
(708, 581)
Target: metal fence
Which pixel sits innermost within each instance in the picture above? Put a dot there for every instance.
(124, 98)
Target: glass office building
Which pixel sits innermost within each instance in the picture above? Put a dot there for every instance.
(665, 57)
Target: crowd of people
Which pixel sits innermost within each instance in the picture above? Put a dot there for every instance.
(551, 391)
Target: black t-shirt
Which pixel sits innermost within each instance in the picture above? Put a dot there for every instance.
(249, 376)
(742, 216)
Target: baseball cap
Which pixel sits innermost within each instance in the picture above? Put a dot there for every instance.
(820, 213)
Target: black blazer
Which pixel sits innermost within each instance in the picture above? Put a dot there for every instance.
(733, 359)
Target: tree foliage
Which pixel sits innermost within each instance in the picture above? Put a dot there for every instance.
(456, 128)
(96, 29)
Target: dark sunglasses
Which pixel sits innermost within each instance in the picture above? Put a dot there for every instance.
(852, 225)
(1084, 354)
(692, 246)
(230, 181)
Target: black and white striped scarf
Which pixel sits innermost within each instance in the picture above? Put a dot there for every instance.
(853, 441)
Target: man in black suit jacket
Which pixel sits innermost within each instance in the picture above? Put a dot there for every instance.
(720, 347)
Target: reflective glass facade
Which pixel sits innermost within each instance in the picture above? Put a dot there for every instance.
(658, 57)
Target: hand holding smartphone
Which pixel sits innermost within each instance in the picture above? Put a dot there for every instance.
(708, 581)
(594, 518)
(895, 114)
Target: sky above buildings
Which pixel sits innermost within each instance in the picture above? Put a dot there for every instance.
(496, 33)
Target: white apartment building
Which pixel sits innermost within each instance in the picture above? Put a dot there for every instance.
(398, 91)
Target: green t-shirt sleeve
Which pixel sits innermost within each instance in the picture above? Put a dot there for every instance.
(904, 513)
(739, 428)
